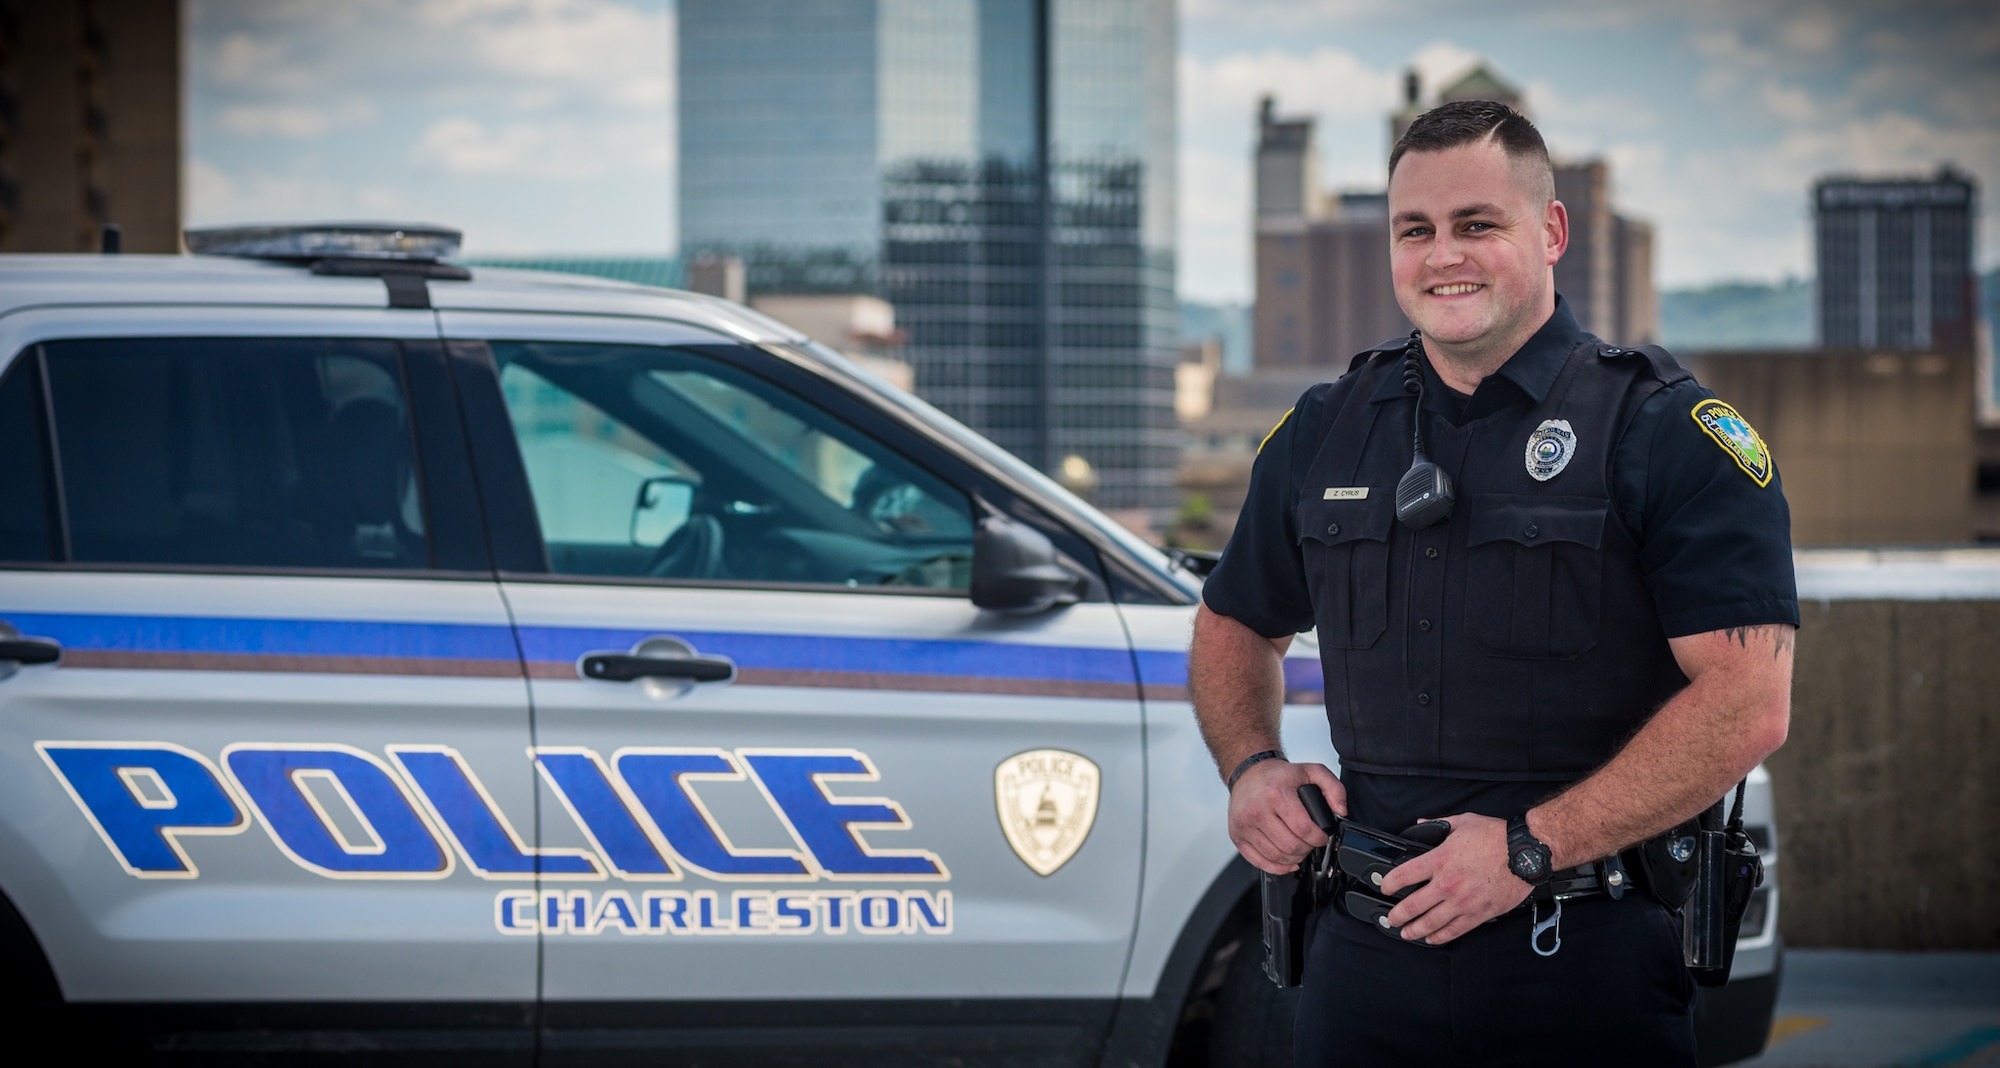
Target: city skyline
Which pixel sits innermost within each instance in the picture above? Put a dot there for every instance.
(546, 127)
(1000, 171)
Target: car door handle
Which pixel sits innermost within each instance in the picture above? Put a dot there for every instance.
(624, 667)
(30, 651)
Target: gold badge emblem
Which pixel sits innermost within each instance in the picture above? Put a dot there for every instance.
(1047, 800)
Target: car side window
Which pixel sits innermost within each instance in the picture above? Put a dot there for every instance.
(236, 452)
(24, 505)
(650, 462)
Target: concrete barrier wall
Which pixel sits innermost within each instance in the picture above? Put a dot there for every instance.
(1888, 808)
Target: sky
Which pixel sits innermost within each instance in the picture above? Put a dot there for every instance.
(547, 126)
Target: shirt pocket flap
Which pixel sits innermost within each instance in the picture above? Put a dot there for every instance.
(1535, 520)
(1343, 521)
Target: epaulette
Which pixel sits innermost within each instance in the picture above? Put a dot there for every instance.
(1665, 368)
(1394, 345)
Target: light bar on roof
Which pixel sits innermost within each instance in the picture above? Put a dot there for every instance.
(383, 241)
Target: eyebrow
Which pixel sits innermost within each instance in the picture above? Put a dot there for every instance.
(1466, 212)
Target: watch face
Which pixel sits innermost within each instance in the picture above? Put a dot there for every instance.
(1528, 863)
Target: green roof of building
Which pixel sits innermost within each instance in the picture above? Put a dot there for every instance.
(662, 271)
(1480, 83)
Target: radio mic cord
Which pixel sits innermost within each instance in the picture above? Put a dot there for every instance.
(1424, 495)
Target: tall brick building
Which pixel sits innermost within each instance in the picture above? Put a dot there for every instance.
(90, 124)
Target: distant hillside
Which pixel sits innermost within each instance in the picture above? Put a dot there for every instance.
(1735, 315)
(1230, 322)
(1738, 315)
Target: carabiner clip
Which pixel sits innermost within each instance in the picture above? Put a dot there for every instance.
(1554, 922)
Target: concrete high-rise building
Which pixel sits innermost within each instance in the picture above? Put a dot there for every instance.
(1895, 261)
(90, 124)
(1638, 300)
(1322, 260)
(1587, 274)
(1000, 171)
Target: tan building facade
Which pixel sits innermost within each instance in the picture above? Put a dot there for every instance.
(1875, 447)
(94, 133)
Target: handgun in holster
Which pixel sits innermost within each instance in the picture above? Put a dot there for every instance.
(1727, 870)
(1348, 870)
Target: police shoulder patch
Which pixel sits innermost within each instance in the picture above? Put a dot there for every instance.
(1275, 428)
(1736, 438)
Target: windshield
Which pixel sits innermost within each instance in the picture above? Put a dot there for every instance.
(1138, 547)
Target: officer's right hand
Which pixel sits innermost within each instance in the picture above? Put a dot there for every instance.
(1267, 821)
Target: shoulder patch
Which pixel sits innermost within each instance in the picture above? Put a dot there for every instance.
(1736, 437)
(1274, 429)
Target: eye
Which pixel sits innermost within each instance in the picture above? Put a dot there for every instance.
(1416, 231)
(1478, 227)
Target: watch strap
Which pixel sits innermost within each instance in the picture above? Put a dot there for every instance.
(1521, 839)
(1254, 758)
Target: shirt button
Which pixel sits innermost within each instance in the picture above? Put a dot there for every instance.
(1423, 698)
(1333, 528)
(1432, 553)
(1423, 624)
(1532, 531)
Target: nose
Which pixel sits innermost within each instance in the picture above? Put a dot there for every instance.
(1445, 251)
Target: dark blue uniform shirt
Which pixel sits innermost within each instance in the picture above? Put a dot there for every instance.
(1715, 545)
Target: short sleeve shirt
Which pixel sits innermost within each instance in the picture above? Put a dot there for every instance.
(1715, 544)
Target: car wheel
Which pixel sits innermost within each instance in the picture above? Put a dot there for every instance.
(1253, 1016)
(1733, 1022)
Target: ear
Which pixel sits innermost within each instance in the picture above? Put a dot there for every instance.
(1555, 231)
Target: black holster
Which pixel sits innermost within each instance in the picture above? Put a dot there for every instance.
(1724, 871)
(1287, 901)
(1350, 868)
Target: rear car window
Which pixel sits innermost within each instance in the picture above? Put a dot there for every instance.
(243, 452)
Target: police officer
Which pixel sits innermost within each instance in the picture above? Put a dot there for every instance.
(1592, 646)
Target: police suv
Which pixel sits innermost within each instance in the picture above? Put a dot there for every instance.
(400, 661)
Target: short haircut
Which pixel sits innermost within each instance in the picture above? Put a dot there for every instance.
(1465, 122)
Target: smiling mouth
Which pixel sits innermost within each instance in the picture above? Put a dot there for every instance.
(1456, 289)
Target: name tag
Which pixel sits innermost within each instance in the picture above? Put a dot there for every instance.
(1345, 493)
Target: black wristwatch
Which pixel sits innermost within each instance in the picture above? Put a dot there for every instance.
(1527, 857)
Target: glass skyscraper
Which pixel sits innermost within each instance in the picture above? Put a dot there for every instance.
(1002, 171)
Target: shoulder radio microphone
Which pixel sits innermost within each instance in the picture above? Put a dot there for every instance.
(1424, 494)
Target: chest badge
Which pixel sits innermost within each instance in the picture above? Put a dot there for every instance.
(1550, 448)
(1047, 800)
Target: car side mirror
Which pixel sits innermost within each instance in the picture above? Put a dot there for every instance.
(1016, 569)
(662, 505)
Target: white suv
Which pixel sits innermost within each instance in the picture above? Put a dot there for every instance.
(399, 661)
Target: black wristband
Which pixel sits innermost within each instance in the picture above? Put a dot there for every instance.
(1254, 758)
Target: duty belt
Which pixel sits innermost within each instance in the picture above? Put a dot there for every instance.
(1350, 869)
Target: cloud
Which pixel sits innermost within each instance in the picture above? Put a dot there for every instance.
(291, 120)
(558, 149)
(265, 65)
(216, 197)
(301, 108)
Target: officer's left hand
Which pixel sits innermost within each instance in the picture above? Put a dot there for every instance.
(1466, 882)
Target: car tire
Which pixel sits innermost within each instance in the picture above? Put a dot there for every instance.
(1733, 1022)
(1253, 1016)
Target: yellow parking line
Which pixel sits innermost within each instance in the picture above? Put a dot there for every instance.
(1786, 1028)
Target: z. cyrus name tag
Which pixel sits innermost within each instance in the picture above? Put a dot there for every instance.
(1345, 493)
